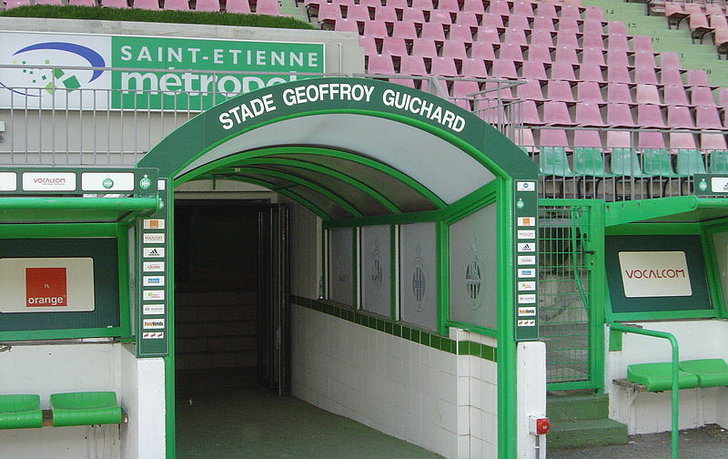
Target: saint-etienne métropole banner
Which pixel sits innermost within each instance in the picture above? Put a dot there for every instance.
(157, 73)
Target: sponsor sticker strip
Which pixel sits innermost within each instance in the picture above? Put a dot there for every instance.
(525, 269)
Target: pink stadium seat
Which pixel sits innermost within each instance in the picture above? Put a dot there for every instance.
(675, 12)
(413, 15)
(533, 70)
(49, 2)
(9, 4)
(650, 140)
(82, 2)
(592, 40)
(522, 8)
(568, 25)
(393, 46)
(678, 116)
(424, 48)
(619, 115)
(208, 5)
(474, 68)
(650, 116)
(670, 75)
(510, 51)
(327, 13)
(539, 53)
(504, 69)
(674, 94)
(461, 33)
(482, 50)
(546, 10)
(645, 59)
(542, 37)
(556, 113)
(454, 49)
(476, 6)
(440, 17)
(594, 12)
(443, 66)
(553, 138)
(590, 72)
(566, 38)
(617, 58)
(619, 93)
(487, 34)
(669, 59)
(617, 27)
(618, 74)
(492, 114)
(422, 4)
(592, 26)
(619, 139)
(530, 90)
(713, 8)
(377, 4)
(269, 7)
(499, 7)
(701, 95)
(375, 29)
(592, 56)
(718, 21)
(467, 18)
(357, 12)
(697, 78)
(712, 141)
(243, 7)
(642, 43)
(378, 63)
(707, 117)
(404, 30)
(518, 22)
(370, 46)
(177, 5)
(448, 5)
(647, 94)
(114, 3)
(559, 90)
(617, 41)
(146, 4)
(344, 25)
(529, 113)
(587, 138)
(463, 88)
(562, 71)
(545, 23)
(412, 65)
(588, 114)
(569, 11)
(589, 91)
(565, 53)
(682, 141)
(699, 25)
(515, 36)
(432, 31)
(524, 139)
(645, 75)
(491, 20)
(723, 97)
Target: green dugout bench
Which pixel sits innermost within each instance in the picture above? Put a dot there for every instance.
(656, 377)
(69, 409)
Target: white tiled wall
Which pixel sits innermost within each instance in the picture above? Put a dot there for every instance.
(419, 394)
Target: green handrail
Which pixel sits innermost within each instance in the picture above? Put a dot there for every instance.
(675, 372)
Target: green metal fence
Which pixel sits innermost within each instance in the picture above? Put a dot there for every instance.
(564, 295)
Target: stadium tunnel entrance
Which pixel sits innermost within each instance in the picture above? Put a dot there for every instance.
(411, 251)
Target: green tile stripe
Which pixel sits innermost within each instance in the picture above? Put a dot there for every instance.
(399, 330)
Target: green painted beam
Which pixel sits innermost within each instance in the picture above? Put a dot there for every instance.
(663, 210)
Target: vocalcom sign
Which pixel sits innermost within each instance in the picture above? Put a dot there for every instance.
(149, 72)
(654, 274)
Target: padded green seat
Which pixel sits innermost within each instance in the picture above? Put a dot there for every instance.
(657, 376)
(85, 408)
(20, 411)
(710, 372)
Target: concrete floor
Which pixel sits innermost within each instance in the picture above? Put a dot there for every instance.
(226, 415)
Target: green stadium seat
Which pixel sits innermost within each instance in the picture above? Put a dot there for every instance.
(719, 162)
(657, 377)
(624, 162)
(657, 162)
(710, 372)
(85, 408)
(689, 163)
(20, 411)
(589, 161)
(553, 161)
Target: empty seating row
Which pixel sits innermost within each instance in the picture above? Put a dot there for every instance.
(269, 7)
(18, 411)
(705, 141)
(570, 9)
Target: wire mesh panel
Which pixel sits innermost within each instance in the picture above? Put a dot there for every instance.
(564, 298)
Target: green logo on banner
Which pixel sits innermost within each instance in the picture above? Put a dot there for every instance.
(202, 78)
(145, 183)
(108, 183)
